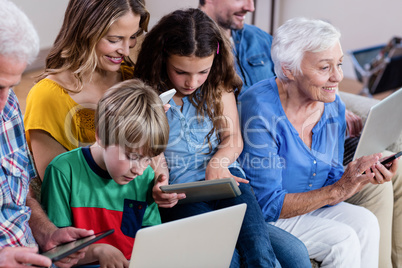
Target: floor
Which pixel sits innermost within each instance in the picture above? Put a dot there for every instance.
(28, 80)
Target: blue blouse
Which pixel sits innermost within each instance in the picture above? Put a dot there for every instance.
(275, 158)
(188, 153)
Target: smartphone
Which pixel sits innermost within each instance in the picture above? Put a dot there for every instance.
(61, 251)
(166, 96)
(391, 158)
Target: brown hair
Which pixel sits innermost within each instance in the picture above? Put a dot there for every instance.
(190, 32)
(85, 23)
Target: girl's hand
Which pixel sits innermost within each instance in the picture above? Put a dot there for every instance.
(165, 200)
(166, 107)
(110, 257)
(218, 172)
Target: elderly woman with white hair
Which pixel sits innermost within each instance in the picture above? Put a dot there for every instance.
(293, 128)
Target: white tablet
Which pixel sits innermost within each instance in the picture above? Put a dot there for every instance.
(202, 191)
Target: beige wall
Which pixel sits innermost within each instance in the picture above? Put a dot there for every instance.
(159, 8)
(47, 17)
(363, 23)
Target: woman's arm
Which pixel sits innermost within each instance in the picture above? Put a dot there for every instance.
(44, 149)
(48, 235)
(356, 176)
(231, 144)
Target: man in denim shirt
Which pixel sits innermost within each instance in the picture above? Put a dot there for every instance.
(251, 45)
(19, 45)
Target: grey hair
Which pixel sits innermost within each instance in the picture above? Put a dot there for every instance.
(298, 36)
(18, 37)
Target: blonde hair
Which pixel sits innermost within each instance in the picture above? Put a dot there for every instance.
(131, 115)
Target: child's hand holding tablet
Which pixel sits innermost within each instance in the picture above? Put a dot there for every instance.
(200, 191)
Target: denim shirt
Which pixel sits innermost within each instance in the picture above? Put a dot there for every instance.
(252, 50)
(187, 153)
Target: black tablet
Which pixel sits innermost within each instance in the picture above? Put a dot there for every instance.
(202, 191)
(64, 250)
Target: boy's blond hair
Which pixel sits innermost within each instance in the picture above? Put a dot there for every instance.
(131, 115)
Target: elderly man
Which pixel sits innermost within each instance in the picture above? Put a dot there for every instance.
(19, 45)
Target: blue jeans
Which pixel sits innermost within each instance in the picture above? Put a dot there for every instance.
(289, 250)
(253, 243)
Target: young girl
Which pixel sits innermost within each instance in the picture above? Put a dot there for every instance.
(187, 51)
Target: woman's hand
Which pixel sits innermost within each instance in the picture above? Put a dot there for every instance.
(384, 173)
(216, 171)
(165, 200)
(355, 177)
(110, 257)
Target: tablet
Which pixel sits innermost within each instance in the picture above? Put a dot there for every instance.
(64, 250)
(202, 191)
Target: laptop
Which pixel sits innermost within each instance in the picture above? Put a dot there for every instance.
(205, 240)
(382, 127)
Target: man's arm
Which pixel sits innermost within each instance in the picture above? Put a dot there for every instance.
(47, 235)
(41, 226)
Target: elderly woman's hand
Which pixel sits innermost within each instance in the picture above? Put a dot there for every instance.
(384, 173)
(355, 177)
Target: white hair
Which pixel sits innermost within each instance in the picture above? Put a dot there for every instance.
(298, 36)
(18, 37)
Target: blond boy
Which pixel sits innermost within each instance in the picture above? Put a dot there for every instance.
(109, 184)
